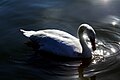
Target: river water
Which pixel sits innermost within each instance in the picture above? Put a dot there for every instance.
(64, 15)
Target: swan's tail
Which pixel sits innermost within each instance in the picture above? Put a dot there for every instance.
(23, 30)
(27, 33)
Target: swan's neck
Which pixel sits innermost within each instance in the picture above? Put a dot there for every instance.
(86, 52)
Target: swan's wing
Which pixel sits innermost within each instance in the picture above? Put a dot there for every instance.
(56, 42)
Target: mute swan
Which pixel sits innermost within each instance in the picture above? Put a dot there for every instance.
(64, 44)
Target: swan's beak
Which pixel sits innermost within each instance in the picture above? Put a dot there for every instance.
(93, 46)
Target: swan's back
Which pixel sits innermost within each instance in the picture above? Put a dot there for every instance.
(56, 42)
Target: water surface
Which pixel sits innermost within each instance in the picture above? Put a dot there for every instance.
(65, 15)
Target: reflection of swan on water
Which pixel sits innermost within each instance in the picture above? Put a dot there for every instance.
(63, 44)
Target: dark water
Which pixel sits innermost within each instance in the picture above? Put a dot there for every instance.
(65, 15)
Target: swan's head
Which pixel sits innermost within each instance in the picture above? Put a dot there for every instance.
(90, 32)
(91, 35)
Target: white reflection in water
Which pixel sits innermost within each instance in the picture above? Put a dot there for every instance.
(111, 19)
(105, 1)
(113, 50)
(103, 49)
(114, 23)
(118, 42)
(102, 52)
(102, 2)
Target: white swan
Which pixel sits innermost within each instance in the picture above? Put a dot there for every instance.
(62, 43)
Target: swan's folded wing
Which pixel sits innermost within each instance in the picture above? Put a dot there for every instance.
(55, 41)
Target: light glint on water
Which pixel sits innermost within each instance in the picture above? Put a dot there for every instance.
(114, 23)
(106, 1)
(102, 52)
(102, 2)
(113, 50)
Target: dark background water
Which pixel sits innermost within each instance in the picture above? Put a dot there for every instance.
(65, 15)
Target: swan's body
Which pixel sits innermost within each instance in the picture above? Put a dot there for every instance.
(60, 42)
